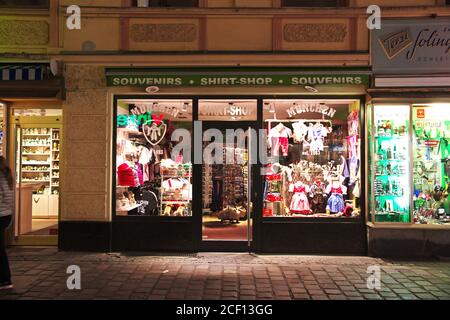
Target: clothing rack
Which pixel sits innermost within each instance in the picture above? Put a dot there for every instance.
(270, 121)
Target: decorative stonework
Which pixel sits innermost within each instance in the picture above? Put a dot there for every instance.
(315, 32)
(84, 77)
(180, 32)
(22, 32)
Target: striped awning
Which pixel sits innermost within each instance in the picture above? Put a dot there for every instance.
(32, 72)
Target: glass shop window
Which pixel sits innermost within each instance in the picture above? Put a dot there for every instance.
(317, 3)
(153, 158)
(390, 160)
(314, 155)
(23, 3)
(431, 163)
(167, 3)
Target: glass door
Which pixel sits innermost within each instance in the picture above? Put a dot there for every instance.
(227, 197)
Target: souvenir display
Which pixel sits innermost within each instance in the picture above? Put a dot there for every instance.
(149, 181)
(391, 176)
(315, 170)
(431, 174)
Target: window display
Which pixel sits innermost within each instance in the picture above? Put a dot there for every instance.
(390, 163)
(431, 163)
(403, 190)
(314, 149)
(150, 178)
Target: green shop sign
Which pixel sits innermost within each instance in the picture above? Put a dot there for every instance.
(117, 78)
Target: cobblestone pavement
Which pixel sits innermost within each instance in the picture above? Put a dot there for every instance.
(40, 273)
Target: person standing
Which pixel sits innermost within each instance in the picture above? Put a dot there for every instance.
(6, 211)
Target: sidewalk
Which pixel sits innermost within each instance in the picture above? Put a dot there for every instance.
(40, 273)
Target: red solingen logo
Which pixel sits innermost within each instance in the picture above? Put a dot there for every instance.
(395, 43)
(420, 113)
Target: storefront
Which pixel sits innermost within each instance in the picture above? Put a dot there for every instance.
(409, 140)
(242, 171)
(30, 139)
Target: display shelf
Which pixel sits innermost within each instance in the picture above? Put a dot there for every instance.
(185, 171)
(35, 154)
(35, 164)
(35, 145)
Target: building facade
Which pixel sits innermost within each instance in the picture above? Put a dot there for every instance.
(351, 166)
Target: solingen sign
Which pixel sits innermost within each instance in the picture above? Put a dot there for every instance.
(420, 46)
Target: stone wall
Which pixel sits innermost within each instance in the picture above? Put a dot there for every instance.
(86, 135)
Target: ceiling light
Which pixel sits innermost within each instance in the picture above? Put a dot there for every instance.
(152, 89)
(311, 89)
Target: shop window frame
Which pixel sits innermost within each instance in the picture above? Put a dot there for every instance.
(257, 215)
(131, 218)
(371, 196)
(363, 159)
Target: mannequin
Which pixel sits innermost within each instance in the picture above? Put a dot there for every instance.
(336, 203)
(299, 202)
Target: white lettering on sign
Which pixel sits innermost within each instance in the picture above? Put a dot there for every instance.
(312, 80)
(157, 108)
(311, 107)
(231, 81)
(230, 110)
(163, 81)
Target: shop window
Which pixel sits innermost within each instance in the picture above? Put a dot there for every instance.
(167, 3)
(431, 163)
(23, 3)
(153, 176)
(390, 161)
(309, 3)
(314, 164)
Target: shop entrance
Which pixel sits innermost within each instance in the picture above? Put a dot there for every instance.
(36, 145)
(227, 173)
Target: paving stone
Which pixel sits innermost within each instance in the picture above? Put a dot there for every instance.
(337, 297)
(215, 276)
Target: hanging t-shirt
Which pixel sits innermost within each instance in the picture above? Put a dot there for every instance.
(145, 155)
(149, 202)
(279, 138)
